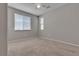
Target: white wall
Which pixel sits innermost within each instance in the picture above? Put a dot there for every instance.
(12, 34)
(3, 29)
(62, 24)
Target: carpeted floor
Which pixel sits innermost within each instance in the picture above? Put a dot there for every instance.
(40, 47)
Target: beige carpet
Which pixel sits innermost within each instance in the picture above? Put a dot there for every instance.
(40, 47)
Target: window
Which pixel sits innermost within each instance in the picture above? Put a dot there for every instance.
(22, 22)
(42, 23)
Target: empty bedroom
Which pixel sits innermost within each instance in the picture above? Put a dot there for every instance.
(43, 29)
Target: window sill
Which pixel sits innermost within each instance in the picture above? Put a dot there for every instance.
(23, 30)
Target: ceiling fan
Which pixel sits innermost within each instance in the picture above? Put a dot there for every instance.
(42, 5)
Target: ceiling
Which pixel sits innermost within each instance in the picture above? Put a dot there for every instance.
(31, 7)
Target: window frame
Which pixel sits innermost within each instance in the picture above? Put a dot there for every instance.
(23, 23)
(41, 23)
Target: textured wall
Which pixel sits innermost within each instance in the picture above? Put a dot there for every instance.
(12, 34)
(62, 24)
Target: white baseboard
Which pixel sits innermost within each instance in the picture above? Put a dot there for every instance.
(68, 43)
